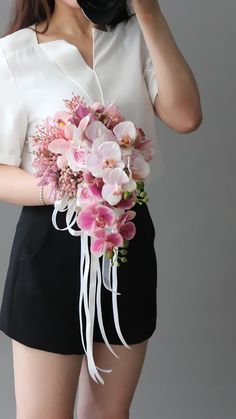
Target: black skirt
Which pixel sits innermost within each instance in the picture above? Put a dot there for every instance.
(41, 293)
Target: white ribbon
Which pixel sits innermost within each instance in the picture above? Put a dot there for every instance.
(91, 280)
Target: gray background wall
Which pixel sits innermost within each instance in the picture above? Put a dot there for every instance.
(190, 369)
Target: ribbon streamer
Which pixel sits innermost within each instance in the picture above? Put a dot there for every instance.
(91, 280)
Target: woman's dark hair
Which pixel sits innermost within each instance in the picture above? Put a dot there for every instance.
(25, 13)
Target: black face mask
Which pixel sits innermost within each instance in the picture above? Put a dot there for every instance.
(101, 12)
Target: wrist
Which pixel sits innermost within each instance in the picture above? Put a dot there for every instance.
(141, 13)
(43, 193)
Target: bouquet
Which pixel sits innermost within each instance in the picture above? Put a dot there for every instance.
(95, 162)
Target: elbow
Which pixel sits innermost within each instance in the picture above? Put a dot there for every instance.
(189, 117)
(189, 124)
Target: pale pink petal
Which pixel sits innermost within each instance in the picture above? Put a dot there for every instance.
(116, 176)
(110, 150)
(59, 146)
(62, 117)
(111, 193)
(128, 230)
(140, 168)
(146, 149)
(98, 130)
(125, 128)
(68, 131)
(130, 186)
(94, 164)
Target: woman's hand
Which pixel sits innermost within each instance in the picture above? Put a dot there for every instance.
(143, 7)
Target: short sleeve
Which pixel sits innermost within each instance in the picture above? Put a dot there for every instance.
(13, 124)
(149, 71)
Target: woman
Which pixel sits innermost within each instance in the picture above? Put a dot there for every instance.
(136, 61)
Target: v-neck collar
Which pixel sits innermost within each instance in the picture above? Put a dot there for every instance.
(60, 48)
(68, 59)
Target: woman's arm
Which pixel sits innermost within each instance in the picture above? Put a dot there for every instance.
(178, 102)
(20, 187)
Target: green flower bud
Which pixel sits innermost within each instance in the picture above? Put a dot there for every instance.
(143, 194)
(125, 243)
(126, 195)
(124, 252)
(124, 259)
(140, 185)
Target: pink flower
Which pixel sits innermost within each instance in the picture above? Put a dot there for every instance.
(127, 203)
(144, 146)
(76, 157)
(94, 185)
(102, 241)
(126, 228)
(113, 187)
(79, 134)
(107, 157)
(116, 182)
(126, 134)
(98, 130)
(59, 146)
(95, 215)
(84, 195)
(62, 118)
(139, 167)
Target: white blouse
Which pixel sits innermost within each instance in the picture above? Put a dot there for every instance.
(36, 77)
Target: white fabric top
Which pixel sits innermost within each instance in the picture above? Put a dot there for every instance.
(36, 77)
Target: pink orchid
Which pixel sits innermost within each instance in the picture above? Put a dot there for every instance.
(113, 187)
(126, 228)
(116, 182)
(126, 134)
(81, 112)
(95, 215)
(103, 241)
(59, 146)
(107, 157)
(79, 134)
(139, 167)
(127, 203)
(146, 149)
(94, 184)
(62, 117)
(85, 196)
(98, 130)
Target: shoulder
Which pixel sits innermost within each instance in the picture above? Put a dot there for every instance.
(17, 40)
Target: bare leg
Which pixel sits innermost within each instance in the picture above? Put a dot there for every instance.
(113, 399)
(45, 383)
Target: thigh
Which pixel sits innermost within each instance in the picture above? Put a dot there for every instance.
(113, 399)
(45, 382)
